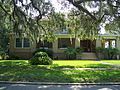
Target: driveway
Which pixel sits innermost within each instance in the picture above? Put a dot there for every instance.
(57, 87)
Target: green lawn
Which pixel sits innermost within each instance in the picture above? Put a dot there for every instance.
(20, 70)
(80, 64)
(115, 62)
(75, 62)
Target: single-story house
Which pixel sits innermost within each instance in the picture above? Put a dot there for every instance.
(24, 47)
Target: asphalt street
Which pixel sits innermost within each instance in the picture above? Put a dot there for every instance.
(57, 87)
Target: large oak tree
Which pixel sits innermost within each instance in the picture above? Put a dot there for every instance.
(37, 17)
(103, 11)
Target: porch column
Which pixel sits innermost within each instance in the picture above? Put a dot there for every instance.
(77, 42)
(98, 43)
(118, 43)
(55, 46)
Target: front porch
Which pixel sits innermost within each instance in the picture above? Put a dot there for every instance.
(61, 43)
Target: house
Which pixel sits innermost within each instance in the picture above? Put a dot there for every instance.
(24, 47)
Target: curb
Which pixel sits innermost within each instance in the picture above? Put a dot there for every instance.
(51, 83)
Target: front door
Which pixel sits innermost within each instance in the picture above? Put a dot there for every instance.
(88, 45)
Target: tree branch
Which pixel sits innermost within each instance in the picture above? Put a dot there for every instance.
(40, 15)
(4, 9)
(82, 1)
(82, 9)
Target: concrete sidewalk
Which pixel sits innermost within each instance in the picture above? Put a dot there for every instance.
(52, 83)
(57, 87)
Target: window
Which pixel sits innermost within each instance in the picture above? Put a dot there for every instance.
(18, 42)
(88, 45)
(22, 43)
(44, 44)
(26, 42)
(66, 42)
(110, 43)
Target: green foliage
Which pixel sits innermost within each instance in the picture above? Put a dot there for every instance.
(70, 53)
(110, 53)
(48, 51)
(107, 53)
(83, 26)
(40, 58)
(79, 50)
(4, 38)
(99, 49)
(3, 54)
(91, 20)
(13, 57)
(17, 16)
(35, 26)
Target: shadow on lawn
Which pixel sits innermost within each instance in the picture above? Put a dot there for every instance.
(20, 71)
(16, 71)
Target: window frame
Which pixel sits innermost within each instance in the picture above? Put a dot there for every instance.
(110, 43)
(22, 42)
(73, 39)
(44, 46)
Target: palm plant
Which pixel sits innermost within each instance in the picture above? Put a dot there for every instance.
(70, 53)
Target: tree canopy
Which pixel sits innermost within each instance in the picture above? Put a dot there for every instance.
(37, 18)
(104, 7)
(103, 11)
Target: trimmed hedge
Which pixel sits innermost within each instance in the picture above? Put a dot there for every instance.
(40, 58)
(49, 52)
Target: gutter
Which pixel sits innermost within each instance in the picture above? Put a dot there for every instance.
(52, 83)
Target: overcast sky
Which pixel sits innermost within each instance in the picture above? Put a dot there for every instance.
(60, 8)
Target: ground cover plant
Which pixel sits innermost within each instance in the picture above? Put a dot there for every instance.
(21, 70)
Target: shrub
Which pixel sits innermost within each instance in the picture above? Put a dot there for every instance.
(40, 58)
(79, 50)
(70, 53)
(108, 53)
(13, 57)
(99, 52)
(3, 54)
(99, 49)
(49, 52)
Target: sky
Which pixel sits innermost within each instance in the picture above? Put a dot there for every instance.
(59, 7)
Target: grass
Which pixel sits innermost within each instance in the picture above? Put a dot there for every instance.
(115, 62)
(74, 62)
(80, 64)
(21, 70)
